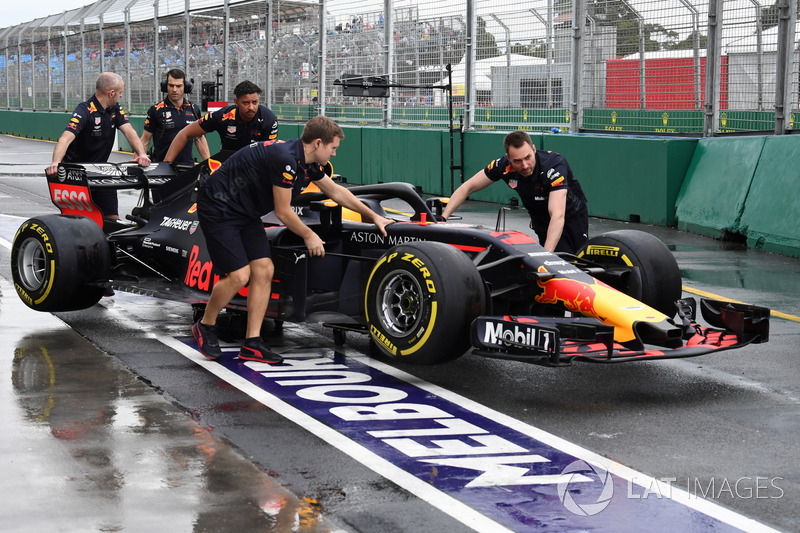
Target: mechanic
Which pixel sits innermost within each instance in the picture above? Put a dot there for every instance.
(90, 135)
(230, 204)
(166, 118)
(238, 125)
(545, 184)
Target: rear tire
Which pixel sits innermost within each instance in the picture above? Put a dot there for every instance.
(55, 259)
(655, 278)
(421, 299)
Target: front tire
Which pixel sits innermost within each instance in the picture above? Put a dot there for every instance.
(421, 299)
(654, 276)
(56, 258)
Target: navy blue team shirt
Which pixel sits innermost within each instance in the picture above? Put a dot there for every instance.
(95, 131)
(242, 186)
(551, 173)
(235, 133)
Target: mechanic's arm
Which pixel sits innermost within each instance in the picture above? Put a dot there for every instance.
(141, 154)
(202, 147)
(192, 131)
(59, 151)
(476, 183)
(145, 139)
(557, 208)
(285, 213)
(347, 199)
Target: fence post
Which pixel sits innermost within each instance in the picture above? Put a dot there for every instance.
(225, 43)
(787, 16)
(388, 56)
(713, 66)
(578, 21)
(469, 65)
(323, 52)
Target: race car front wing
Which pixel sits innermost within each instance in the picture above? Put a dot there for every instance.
(550, 341)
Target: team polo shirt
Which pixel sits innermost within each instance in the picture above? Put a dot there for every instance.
(235, 133)
(95, 130)
(164, 121)
(242, 186)
(551, 173)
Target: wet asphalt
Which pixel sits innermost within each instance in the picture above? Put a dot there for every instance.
(117, 432)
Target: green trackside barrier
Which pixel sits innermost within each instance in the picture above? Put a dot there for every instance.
(407, 155)
(34, 124)
(771, 216)
(716, 185)
(627, 178)
(745, 186)
(349, 156)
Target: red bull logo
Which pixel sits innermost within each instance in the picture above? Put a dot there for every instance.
(576, 295)
(513, 237)
(213, 165)
(230, 115)
(200, 275)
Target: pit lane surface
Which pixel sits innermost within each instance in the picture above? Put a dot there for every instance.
(719, 427)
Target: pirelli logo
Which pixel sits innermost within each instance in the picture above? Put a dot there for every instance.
(610, 251)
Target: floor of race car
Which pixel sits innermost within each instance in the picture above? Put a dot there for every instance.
(112, 417)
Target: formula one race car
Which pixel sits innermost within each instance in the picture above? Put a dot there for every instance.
(426, 293)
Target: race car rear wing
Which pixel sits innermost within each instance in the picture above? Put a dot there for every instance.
(552, 341)
(70, 188)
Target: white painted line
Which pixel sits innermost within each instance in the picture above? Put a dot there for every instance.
(445, 503)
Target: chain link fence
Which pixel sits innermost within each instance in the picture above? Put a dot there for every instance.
(649, 66)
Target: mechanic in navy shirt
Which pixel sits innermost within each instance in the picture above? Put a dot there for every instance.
(238, 125)
(248, 185)
(545, 184)
(168, 117)
(90, 134)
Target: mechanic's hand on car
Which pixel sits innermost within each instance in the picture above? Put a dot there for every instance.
(315, 245)
(142, 160)
(382, 222)
(51, 171)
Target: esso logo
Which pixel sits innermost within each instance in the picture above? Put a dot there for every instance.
(72, 200)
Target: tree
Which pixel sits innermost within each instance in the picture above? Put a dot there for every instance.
(486, 43)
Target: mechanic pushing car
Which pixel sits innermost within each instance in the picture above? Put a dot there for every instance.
(89, 136)
(230, 204)
(545, 184)
(238, 125)
(169, 116)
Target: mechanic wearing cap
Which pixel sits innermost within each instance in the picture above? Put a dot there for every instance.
(545, 184)
(251, 183)
(168, 117)
(238, 125)
(90, 134)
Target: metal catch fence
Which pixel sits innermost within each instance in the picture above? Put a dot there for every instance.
(675, 67)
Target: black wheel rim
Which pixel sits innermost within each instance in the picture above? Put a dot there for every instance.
(400, 303)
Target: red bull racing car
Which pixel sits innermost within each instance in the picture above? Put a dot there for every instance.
(428, 292)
